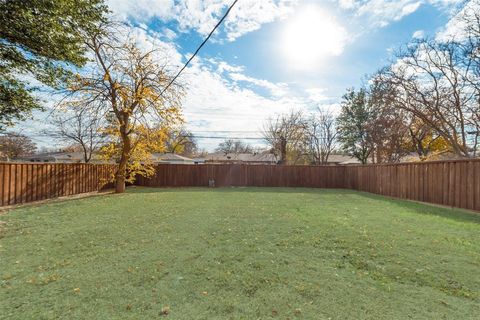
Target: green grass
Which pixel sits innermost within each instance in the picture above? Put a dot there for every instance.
(245, 253)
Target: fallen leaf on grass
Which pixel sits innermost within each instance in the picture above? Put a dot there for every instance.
(165, 311)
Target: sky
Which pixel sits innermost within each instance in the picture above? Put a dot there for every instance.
(272, 56)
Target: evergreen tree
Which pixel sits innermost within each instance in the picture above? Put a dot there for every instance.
(353, 125)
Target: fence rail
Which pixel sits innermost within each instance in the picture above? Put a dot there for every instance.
(451, 183)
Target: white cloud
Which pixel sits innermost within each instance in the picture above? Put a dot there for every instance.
(381, 13)
(202, 15)
(222, 66)
(347, 4)
(251, 14)
(276, 89)
(317, 95)
(169, 33)
(141, 10)
(166, 52)
(419, 34)
(456, 26)
(214, 103)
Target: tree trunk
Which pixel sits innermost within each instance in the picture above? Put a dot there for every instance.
(120, 176)
(86, 158)
(283, 151)
(120, 184)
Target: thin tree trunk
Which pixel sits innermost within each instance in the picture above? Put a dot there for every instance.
(120, 176)
(283, 150)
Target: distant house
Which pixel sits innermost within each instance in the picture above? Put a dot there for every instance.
(440, 156)
(171, 158)
(77, 157)
(340, 159)
(244, 158)
(60, 157)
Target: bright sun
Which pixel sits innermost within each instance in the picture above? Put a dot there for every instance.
(311, 36)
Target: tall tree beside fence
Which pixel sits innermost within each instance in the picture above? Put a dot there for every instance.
(125, 86)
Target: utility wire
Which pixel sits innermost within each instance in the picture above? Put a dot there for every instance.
(202, 135)
(200, 47)
(233, 138)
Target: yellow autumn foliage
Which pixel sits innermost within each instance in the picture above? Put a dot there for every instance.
(145, 141)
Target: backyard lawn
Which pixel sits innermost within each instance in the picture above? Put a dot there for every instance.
(239, 253)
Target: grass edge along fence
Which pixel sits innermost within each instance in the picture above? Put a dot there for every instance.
(451, 183)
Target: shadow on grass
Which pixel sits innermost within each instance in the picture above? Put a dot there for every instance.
(417, 207)
(457, 214)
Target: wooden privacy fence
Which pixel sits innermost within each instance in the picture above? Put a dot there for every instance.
(238, 175)
(451, 183)
(27, 182)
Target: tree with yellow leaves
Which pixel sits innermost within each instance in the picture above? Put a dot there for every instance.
(125, 86)
(424, 141)
(144, 142)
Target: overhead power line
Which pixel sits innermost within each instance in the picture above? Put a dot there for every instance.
(225, 131)
(222, 138)
(200, 47)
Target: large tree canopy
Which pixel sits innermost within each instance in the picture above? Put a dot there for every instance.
(353, 125)
(41, 39)
(13, 145)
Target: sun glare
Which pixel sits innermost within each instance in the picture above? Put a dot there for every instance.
(311, 36)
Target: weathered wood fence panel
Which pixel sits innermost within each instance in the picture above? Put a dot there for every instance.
(27, 182)
(238, 175)
(451, 183)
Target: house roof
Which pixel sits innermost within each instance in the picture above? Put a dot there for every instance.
(56, 156)
(244, 157)
(438, 156)
(170, 157)
(342, 159)
(78, 157)
(260, 157)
